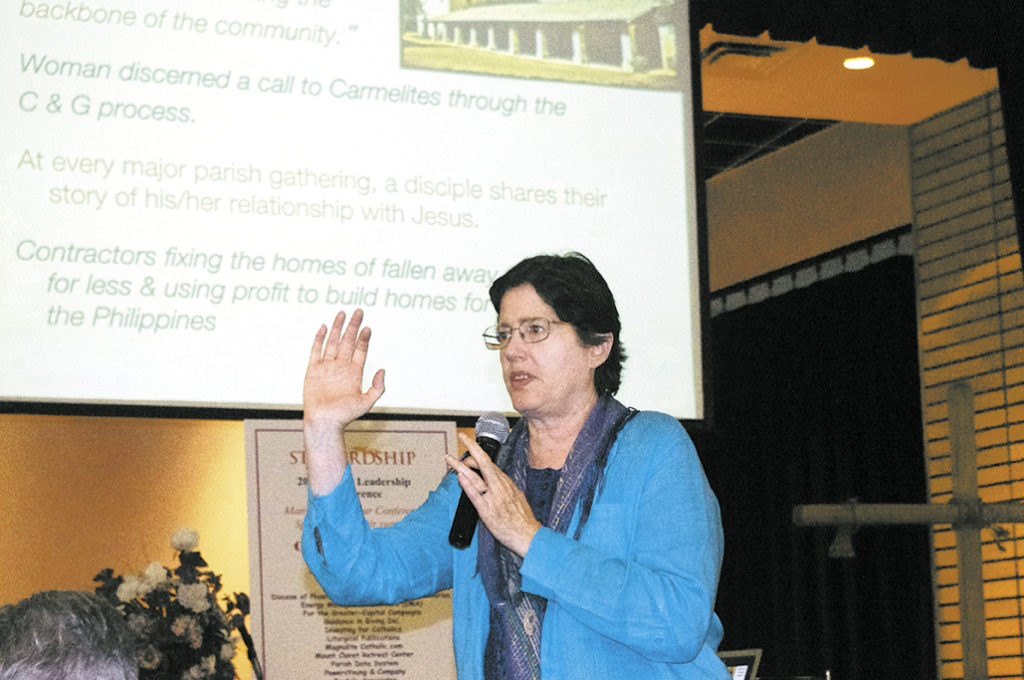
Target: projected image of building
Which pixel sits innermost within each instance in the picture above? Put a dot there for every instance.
(617, 42)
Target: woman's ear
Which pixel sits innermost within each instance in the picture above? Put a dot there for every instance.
(599, 353)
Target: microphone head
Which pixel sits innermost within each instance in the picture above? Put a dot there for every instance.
(493, 426)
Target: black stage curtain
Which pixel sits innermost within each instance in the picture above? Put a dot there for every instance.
(815, 399)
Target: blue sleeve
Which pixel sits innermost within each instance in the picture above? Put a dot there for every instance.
(645, 570)
(357, 565)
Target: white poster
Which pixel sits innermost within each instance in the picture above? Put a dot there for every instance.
(179, 177)
(300, 634)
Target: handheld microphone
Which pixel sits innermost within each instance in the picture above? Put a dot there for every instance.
(491, 433)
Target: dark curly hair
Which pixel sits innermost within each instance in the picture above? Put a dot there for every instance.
(571, 285)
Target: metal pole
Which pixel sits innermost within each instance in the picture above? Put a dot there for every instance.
(855, 514)
(968, 538)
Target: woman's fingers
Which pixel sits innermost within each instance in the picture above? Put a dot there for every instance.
(349, 338)
(500, 503)
(469, 478)
(346, 343)
(316, 353)
(479, 456)
(362, 346)
(333, 386)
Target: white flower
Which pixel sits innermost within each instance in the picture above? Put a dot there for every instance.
(138, 623)
(192, 674)
(194, 596)
(154, 575)
(188, 627)
(209, 665)
(227, 650)
(145, 582)
(181, 625)
(185, 540)
(129, 588)
(149, 657)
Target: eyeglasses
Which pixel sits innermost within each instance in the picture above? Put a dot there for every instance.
(533, 330)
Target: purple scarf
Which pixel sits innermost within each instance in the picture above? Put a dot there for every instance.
(519, 613)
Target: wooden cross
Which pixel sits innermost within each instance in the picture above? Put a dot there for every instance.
(965, 512)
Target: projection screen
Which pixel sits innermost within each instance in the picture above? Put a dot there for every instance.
(189, 189)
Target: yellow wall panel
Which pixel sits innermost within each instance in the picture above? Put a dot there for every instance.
(971, 328)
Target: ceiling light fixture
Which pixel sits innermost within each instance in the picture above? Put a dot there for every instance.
(858, 63)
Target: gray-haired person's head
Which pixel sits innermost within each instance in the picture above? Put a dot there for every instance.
(65, 635)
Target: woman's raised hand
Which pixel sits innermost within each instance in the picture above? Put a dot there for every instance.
(333, 389)
(333, 396)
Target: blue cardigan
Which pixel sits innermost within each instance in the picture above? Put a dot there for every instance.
(633, 598)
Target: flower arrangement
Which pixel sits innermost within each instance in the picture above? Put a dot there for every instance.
(182, 633)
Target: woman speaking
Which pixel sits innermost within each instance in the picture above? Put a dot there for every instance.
(599, 544)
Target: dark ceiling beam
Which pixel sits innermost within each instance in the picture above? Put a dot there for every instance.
(950, 30)
(987, 33)
(1011, 89)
